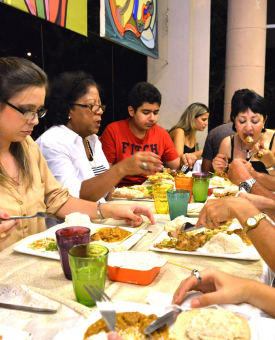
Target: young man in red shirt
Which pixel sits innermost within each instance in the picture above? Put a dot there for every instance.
(140, 133)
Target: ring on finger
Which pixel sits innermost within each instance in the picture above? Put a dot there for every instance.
(3, 234)
(197, 274)
(209, 221)
(144, 166)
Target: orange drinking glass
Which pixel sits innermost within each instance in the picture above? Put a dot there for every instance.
(184, 182)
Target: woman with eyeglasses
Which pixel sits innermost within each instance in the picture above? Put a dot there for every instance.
(27, 186)
(71, 147)
(183, 134)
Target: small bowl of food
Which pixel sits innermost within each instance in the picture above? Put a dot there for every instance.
(134, 267)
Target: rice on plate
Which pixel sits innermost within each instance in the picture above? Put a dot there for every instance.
(224, 244)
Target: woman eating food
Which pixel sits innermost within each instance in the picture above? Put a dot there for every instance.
(26, 184)
(183, 134)
(72, 148)
(252, 142)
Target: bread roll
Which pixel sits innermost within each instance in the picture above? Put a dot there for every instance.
(210, 324)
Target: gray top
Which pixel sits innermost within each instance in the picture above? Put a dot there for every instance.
(214, 139)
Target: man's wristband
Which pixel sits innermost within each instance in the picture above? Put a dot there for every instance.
(99, 212)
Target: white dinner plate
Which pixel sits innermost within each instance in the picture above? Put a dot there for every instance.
(23, 246)
(250, 252)
(10, 333)
(77, 333)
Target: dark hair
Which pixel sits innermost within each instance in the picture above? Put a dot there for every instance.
(16, 75)
(143, 92)
(67, 88)
(245, 99)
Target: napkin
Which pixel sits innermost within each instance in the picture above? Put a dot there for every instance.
(42, 326)
(163, 299)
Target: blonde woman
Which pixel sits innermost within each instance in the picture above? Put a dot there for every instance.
(183, 134)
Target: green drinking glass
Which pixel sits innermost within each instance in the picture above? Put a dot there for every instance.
(200, 186)
(88, 263)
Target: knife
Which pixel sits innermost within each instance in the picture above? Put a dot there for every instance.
(187, 226)
(166, 318)
(28, 308)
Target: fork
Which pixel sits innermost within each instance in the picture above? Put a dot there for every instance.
(39, 214)
(252, 156)
(104, 304)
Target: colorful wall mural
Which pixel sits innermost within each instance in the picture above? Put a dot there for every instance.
(71, 14)
(132, 23)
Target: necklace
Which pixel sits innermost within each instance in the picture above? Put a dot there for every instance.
(91, 154)
(248, 151)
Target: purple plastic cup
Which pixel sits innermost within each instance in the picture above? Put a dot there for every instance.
(66, 238)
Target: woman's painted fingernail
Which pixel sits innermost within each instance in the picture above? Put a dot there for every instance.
(17, 221)
(6, 215)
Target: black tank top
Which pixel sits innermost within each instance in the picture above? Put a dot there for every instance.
(257, 165)
(188, 150)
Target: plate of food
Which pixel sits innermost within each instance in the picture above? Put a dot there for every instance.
(44, 244)
(187, 322)
(160, 177)
(225, 242)
(143, 192)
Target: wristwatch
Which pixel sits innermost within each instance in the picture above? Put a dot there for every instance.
(247, 185)
(252, 222)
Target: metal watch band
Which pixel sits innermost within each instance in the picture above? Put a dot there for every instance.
(258, 218)
(99, 211)
(247, 185)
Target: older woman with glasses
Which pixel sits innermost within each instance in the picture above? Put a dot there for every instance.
(26, 184)
(71, 147)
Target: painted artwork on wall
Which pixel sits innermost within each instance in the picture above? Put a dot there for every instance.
(71, 14)
(132, 23)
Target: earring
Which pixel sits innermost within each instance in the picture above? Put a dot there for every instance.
(263, 128)
(69, 117)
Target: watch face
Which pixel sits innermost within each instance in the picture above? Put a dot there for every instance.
(251, 221)
(246, 186)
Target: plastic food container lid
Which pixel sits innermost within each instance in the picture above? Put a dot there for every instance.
(134, 267)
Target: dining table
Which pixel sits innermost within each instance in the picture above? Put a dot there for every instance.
(39, 281)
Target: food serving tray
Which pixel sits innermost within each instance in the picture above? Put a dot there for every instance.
(250, 253)
(23, 246)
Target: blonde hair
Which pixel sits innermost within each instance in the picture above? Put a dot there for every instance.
(16, 75)
(187, 119)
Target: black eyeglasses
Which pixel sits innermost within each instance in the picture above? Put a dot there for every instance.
(28, 114)
(94, 108)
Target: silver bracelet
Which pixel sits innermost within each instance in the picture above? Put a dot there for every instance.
(99, 211)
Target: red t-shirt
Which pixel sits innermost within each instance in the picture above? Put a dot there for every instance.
(118, 142)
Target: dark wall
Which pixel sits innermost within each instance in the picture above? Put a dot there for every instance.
(56, 50)
(217, 62)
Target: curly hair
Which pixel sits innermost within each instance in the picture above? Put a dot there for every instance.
(143, 92)
(187, 119)
(66, 89)
(16, 75)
